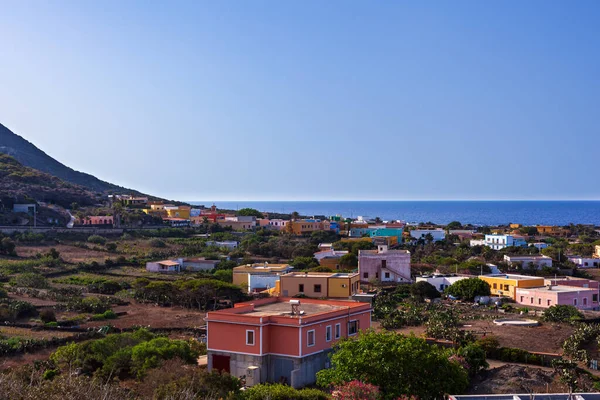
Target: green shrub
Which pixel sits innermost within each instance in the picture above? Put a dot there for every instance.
(282, 392)
(157, 243)
(94, 305)
(562, 313)
(489, 344)
(123, 355)
(21, 309)
(108, 314)
(52, 324)
(47, 315)
(30, 279)
(49, 374)
(97, 239)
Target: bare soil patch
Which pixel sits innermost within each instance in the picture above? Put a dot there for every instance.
(71, 254)
(511, 378)
(153, 316)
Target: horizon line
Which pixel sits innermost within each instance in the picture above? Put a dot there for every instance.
(385, 200)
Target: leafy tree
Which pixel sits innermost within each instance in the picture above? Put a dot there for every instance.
(7, 246)
(349, 261)
(304, 262)
(468, 289)
(562, 313)
(424, 290)
(225, 275)
(475, 357)
(226, 264)
(556, 253)
(54, 254)
(250, 212)
(362, 245)
(454, 225)
(398, 365)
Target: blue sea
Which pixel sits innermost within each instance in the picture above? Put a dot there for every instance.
(439, 212)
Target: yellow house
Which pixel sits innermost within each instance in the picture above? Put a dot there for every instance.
(506, 284)
(179, 212)
(320, 284)
(259, 276)
(515, 226)
(597, 251)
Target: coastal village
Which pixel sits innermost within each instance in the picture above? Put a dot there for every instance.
(272, 297)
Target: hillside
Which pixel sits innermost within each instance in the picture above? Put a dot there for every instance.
(29, 155)
(21, 184)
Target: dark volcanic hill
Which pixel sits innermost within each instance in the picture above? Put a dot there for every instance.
(29, 155)
(23, 184)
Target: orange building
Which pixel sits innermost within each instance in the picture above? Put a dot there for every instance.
(281, 339)
(551, 230)
(301, 227)
(320, 284)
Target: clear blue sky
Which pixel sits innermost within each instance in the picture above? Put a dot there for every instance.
(301, 100)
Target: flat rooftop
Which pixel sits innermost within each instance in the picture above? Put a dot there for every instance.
(383, 252)
(560, 289)
(261, 267)
(533, 257)
(319, 275)
(509, 276)
(285, 309)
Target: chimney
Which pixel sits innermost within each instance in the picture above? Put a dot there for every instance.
(550, 286)
(382, 248)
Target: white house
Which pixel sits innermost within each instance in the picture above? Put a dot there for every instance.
(498, 242)
(437, 234)
(164, 266)
(319, 255)
(441, 281)
(585, 262)
(526, 261)
(477, 242)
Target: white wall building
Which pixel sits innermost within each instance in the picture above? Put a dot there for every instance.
(498, 242)
(526, 261)
(440, 281)
(477, 242)
(278, 224)
(437, 234)
(585, 262)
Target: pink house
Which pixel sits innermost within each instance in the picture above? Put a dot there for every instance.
(280, 339)
(571, 281)
(97, 220)
(384, 265)
(547, 296)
